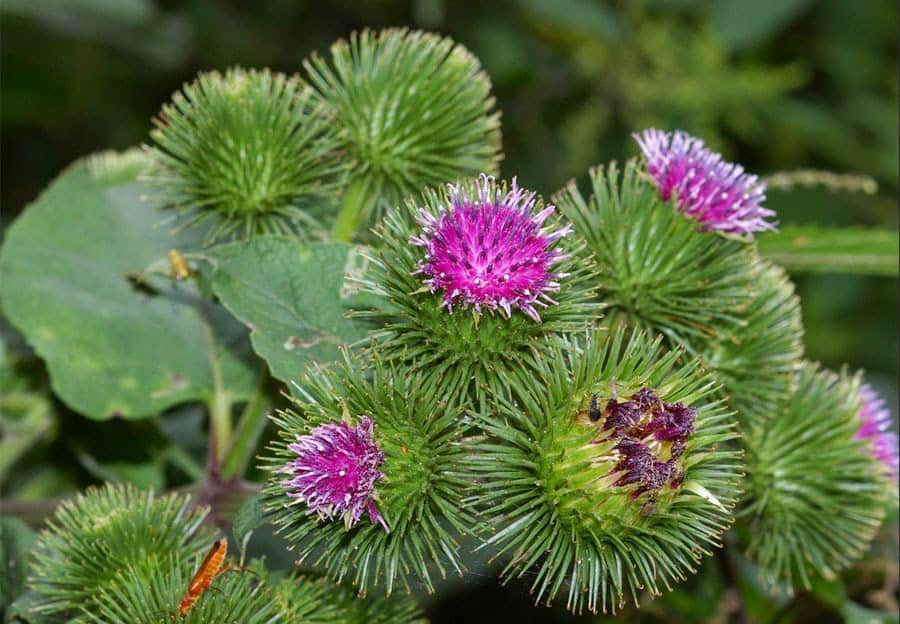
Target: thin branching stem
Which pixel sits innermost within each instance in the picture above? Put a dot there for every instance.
(249, 429)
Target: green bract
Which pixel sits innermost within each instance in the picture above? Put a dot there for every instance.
(815, 497)
(416, 111)
(755, 359)
(469, 354)
(657, 270)
(304, 599)
(419, 496)
(250, 151)
(99, 538)
(548, 480)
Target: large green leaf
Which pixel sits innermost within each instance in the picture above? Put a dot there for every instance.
(293, 296)
(833, 250)
(113, 349)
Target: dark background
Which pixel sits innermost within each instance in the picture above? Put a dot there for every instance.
(774, 84)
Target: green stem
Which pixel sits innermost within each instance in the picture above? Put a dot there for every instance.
(219, 406)
(357, 202)
(220, 427)
(250, 427)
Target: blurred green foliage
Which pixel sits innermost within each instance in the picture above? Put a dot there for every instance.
(774, 84)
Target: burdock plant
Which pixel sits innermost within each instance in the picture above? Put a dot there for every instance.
(475, 278)
(137, 598)
(415, 109)
(717, 194)
(367, 476)
(612, 476)
(657, 269)
(95, 539)
(756, 357)
(246, 153)
(680, 268)
(821, 472)
(120, 555)
(591, 391)
(334, 471)
(875, 429)
(308, 599)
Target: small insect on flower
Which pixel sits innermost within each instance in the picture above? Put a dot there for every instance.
(212, 567)
(179, 269)
(594, 412)
(649, 507)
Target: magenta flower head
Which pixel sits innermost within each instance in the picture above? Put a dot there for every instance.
(335, 471)
(490, 250)
(718, 194)
(875, 423)
(475, 277)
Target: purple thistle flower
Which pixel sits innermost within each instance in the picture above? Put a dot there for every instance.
(628, 414)
(335, 471)
(646, 398)
(490, 250)
(645, 426)
(622, 416)
(677, 450)
(875, 427)
(643, 468)
(672, 421)
(716, 193)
